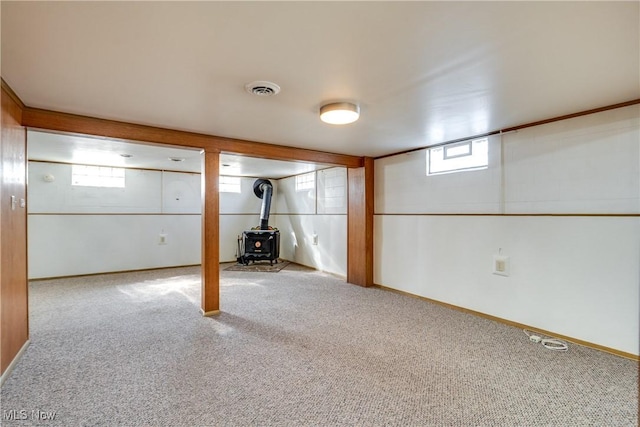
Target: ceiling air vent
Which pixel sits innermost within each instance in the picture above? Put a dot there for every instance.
(262, 88)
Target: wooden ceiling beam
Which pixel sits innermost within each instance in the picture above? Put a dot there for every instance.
(84, 125)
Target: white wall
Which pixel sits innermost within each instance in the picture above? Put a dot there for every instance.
(68, 245)
(142, 193)
(321, 212)
(84, 230)
(573, 275)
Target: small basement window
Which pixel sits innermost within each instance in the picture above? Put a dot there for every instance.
(229, 184)
(306, 181)
(458, 157)
(97, 176)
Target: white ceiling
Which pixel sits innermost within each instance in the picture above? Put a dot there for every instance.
(422, 72)
(55, 147)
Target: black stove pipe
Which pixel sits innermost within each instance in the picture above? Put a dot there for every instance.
(264, 190)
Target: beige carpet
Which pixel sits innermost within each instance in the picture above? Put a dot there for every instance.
(259, 266)
(298, 348)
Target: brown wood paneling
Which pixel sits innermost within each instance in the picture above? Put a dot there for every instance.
(14, 316)
(8, 91)
(62, 122)
(360, 224)
(210, 295)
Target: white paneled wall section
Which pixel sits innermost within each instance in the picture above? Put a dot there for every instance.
(154, 221)
(312, 219)
(561, 200)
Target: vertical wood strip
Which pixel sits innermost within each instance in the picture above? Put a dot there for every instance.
(14, 310)
(210, 298)
(360, 224)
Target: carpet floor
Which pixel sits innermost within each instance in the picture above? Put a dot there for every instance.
(297, 348)
(259, 266)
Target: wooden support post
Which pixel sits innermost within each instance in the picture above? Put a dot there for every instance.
(360, 224)
(14, 304)
(210, 234)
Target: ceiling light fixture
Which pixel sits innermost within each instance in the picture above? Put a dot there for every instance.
(339, 113)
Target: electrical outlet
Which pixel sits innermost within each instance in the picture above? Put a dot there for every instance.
(501, 265)
(163, 239)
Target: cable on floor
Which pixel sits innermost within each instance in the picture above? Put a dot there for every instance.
(548, 342)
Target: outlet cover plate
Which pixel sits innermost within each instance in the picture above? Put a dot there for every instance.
(501, 265)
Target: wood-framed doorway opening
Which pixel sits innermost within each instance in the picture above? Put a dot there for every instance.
(360, 185)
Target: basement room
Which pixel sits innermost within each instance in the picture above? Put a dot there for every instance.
(320, 213)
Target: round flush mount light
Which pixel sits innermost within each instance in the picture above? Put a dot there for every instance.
(339, 113)
(262, 88)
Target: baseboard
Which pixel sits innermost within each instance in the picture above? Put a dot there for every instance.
(13, 363)
(140, 270)
(521, 325)
(209, 313)
(331, 273)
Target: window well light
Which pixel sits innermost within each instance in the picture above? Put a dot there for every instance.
(339, 113)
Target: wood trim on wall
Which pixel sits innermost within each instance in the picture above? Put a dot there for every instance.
(519, 127)
(360, 224)
(110, 214)
(71, 123)
(14, 310)
(53, 162)
(511, 214)
(517, 325)
(212, 146)
(9, 92)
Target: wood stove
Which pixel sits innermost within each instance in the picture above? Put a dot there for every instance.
(262, 243)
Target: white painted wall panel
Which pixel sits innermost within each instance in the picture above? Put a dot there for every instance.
(320, 211)
(332, 191)
(576, 276)
(65, 245)
(141, 194)
(402, 186)
(181, 192)
(296, 241)
(86, 230)
(246, 201)
(47, 196)
(291, 201)
(584, 165)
